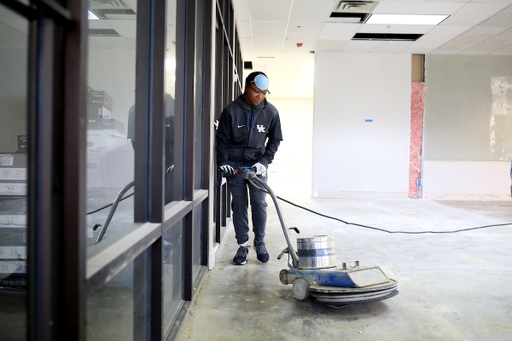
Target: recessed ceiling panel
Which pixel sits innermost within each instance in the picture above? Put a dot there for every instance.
(386, 36)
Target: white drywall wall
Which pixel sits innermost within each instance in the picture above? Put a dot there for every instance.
(470, 180)
(352, 156)
(290, 173)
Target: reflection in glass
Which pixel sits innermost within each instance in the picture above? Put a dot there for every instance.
(170, 80)
(198, 222)
(110, 100)
(110, 309)
(173, 269)
(13, 175)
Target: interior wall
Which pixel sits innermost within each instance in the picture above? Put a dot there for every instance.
(361, 125)
(13, 97)
(290, 173)
(468, 120)
(105, 67)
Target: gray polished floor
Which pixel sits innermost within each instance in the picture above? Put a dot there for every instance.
(452, 286)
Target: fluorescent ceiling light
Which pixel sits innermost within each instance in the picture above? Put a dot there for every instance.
(305, 81)
(92, 16)
(309, 66)
(299, 92)
(406, 19)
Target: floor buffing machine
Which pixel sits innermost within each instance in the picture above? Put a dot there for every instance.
(312, 269)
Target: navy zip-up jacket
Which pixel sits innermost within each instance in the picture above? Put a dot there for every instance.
(248, 133)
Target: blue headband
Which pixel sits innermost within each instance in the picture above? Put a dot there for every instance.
(261, 82)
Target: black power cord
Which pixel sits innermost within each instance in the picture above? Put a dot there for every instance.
(107, 206)
(349, 223)
(387, 231)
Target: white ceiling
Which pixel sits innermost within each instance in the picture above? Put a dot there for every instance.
(270, 30)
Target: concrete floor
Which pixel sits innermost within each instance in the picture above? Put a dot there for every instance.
(452, 286)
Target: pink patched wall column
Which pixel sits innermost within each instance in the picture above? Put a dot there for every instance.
(417, 105)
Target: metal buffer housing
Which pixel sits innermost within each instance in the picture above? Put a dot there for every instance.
(313, 270)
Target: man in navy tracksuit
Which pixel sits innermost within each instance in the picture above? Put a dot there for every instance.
(248, 135)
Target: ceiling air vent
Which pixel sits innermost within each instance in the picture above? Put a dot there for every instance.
(112, 10)
(351, 11)
(386, 36)
(96, 32)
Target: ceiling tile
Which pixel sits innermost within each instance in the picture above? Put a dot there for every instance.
(266, 47)
(485, 30)
(416, 50)
(426, 44)
(330, 45)
(360, 46)
(305, 30)
(481, 8)
(394, 29)
(290, 45)
(312, 11)
(99, 24)
(126, 28)
(464, 20)
(440, 38)
(417, 7)
(439, 51)
(507, 51)
(443, 29)
(470, 38)
(391, 46)
(503, 18)
(244, 28)
(268, 29)
(489, 47)
(457, 45)
(242, 10)
(505, 37)
(246, 44)
(470, 52)
(270, 10)
(338, 31)
(12, 37)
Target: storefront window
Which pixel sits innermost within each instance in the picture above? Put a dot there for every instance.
(13, 175)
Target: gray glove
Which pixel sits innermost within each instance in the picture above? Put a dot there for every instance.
(260, 169)
(227, 170)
